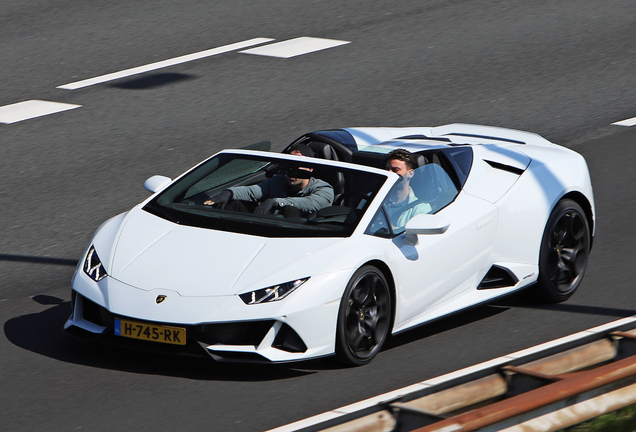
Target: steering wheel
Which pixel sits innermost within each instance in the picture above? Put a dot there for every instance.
(340, 200)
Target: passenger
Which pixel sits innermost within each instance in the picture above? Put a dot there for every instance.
(294, 194)
(403, 204)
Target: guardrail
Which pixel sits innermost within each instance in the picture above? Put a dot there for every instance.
(545, 388)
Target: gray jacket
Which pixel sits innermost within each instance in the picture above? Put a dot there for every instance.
(316, 195)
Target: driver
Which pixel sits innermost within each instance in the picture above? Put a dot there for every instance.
(403, 204)
(295, 193)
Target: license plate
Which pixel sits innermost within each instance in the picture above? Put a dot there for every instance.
(150, 332)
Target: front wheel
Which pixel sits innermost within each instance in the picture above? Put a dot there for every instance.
(565, 249)
(364, 317)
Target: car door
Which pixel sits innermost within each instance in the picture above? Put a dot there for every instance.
(432, 268)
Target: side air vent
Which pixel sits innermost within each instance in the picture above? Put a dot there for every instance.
(504, 167)
(498, 277)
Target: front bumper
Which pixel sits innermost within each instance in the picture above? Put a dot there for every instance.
(301, 327)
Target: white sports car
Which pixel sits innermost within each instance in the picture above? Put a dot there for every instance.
(490, 211)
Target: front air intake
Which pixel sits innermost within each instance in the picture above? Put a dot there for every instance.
(288, 340)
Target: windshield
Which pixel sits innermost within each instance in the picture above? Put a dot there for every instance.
(269, 197)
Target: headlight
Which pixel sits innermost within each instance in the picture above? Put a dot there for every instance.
(93, 266)
(271, 294)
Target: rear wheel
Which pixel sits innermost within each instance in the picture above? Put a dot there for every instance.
(565, 249)
(364, 317)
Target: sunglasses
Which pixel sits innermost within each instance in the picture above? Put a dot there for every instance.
(302, 173)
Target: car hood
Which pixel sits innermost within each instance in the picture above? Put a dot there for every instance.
(152, 253)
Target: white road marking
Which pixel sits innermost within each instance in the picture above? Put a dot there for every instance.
(29, 109)
(628, 122)
(163, 64)
(295, 47)
(320, 418)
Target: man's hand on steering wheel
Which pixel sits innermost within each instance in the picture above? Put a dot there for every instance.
(266, 206)
(221, 199)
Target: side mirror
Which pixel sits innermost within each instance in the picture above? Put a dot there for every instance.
(426, 224)
(156, 183)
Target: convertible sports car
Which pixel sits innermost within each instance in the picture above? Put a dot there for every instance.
(491, 211)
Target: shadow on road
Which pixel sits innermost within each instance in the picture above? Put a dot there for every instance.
(43, 333)
(38, 260)
(520, 302)
(150, 81)
(444, 324)
(424, 331)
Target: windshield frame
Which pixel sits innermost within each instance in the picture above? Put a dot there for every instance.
(247, 223)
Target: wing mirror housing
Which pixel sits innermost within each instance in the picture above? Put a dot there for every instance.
(156, 183)
(424, 224)
(427, 224)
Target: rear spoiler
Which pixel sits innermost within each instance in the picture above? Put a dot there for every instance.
(491, 133)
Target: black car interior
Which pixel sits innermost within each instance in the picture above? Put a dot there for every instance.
(338, 145)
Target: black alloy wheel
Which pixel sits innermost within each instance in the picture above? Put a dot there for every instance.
(364, 317)
(565, 249)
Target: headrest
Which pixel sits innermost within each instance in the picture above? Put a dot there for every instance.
(323, 150)
(419, 160)
(303, 149)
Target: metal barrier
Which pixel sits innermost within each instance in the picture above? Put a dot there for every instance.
(557, 385)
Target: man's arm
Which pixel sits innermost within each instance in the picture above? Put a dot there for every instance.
(270, 188)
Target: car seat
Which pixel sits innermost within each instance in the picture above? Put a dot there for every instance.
(332, 176)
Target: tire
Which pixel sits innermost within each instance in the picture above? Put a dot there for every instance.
(565, 248)
(364, 317)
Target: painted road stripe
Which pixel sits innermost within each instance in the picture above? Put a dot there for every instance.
(395, 394)
(30, 109)
(162, 64)
(295, 47)
(628, 122)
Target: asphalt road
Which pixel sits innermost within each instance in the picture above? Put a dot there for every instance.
(562, 69)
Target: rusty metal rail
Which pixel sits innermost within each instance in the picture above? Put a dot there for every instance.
(560, 385)
(563, 388)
